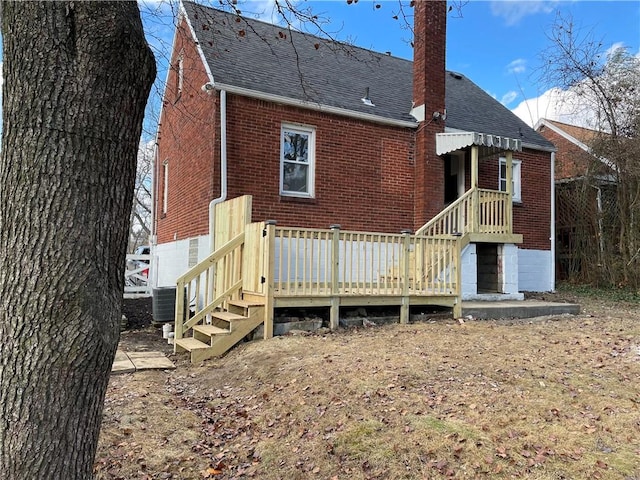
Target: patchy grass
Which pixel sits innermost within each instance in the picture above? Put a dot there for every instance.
(621, 294)
(546, 398)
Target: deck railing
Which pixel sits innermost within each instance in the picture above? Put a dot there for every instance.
(494, 208)
(316, 262)
(477, 211)
(274, 262)
(208, 285)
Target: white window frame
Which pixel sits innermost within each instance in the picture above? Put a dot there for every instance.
(165, 186)
(516, 169)
(180, 74)
(310, 160)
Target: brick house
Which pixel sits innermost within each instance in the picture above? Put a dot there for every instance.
(585, 196)
(322, 133)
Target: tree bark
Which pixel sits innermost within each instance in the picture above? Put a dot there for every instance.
(76, 80)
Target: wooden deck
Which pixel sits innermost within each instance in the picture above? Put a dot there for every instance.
(268, 266)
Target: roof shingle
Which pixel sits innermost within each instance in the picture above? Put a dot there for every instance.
(266, 58)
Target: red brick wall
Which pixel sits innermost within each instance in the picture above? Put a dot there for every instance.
(571, 160)
(367, 176)
(532, 217)
(363, 175)
(188, 141)
(363, 171)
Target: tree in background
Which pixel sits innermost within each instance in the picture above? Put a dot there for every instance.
(607, 87)
(76, 80)
(140, 221)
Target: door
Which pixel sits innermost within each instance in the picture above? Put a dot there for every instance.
(453, 177)
(489, 268)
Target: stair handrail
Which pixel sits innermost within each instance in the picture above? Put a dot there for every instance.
(454, 210)
(182, 320)
(477, 211)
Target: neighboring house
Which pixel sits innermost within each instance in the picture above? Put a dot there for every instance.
(585, 196)
(322, 133)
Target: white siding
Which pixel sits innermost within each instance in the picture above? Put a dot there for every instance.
(534, 270)
(469, 266)
(510, 262)
(172, 259)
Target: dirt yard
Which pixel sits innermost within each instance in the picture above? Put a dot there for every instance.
(544, 398)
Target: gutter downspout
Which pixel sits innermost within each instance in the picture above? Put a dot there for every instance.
(223, 170)
(552, 270)
(210, 87)
(153, 240)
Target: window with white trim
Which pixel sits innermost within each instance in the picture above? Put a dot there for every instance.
(165, 186)
(297, 161)
(179, 75)
(515, 171)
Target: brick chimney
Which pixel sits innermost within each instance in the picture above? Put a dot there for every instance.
(429, 48)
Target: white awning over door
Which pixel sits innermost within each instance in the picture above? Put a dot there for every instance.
(450, 142)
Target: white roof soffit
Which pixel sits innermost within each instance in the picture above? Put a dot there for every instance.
(450, 142)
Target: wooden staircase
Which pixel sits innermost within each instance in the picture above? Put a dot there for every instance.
(227, 328)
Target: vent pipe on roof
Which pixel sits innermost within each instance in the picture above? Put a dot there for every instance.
(366, 100)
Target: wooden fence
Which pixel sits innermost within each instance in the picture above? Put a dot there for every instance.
(137, 276)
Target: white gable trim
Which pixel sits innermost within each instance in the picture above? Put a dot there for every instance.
(183, 14)
(562, 133)
(572, 139)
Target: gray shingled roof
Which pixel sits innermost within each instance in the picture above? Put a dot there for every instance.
(262, 57)
(469, 108)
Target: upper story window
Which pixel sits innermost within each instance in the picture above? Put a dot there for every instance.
(517, 184)
(179, 75)
(297, 161)
(165, 185)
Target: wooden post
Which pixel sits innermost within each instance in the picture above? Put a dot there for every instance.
(179, 314)
(269, 262)
(475, 198)
(404, 307)
(334, 314)
(457, 261)
(509, 205)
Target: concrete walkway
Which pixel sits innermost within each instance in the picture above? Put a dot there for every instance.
(517, 309)
(129, 362)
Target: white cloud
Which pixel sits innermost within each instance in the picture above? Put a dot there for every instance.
(508, 97)
(519, 65)
(556, 104)
(613, 48)
(515, 10)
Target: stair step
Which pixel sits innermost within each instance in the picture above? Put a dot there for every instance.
(253, 297)
(228, 316)
(190, 344)
(246, 303)
(211, 330)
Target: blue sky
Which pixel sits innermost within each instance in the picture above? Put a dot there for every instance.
(497, 44)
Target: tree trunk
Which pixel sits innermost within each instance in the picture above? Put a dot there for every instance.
(76, 79)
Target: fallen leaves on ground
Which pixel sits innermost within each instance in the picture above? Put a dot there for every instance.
(553, 397)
